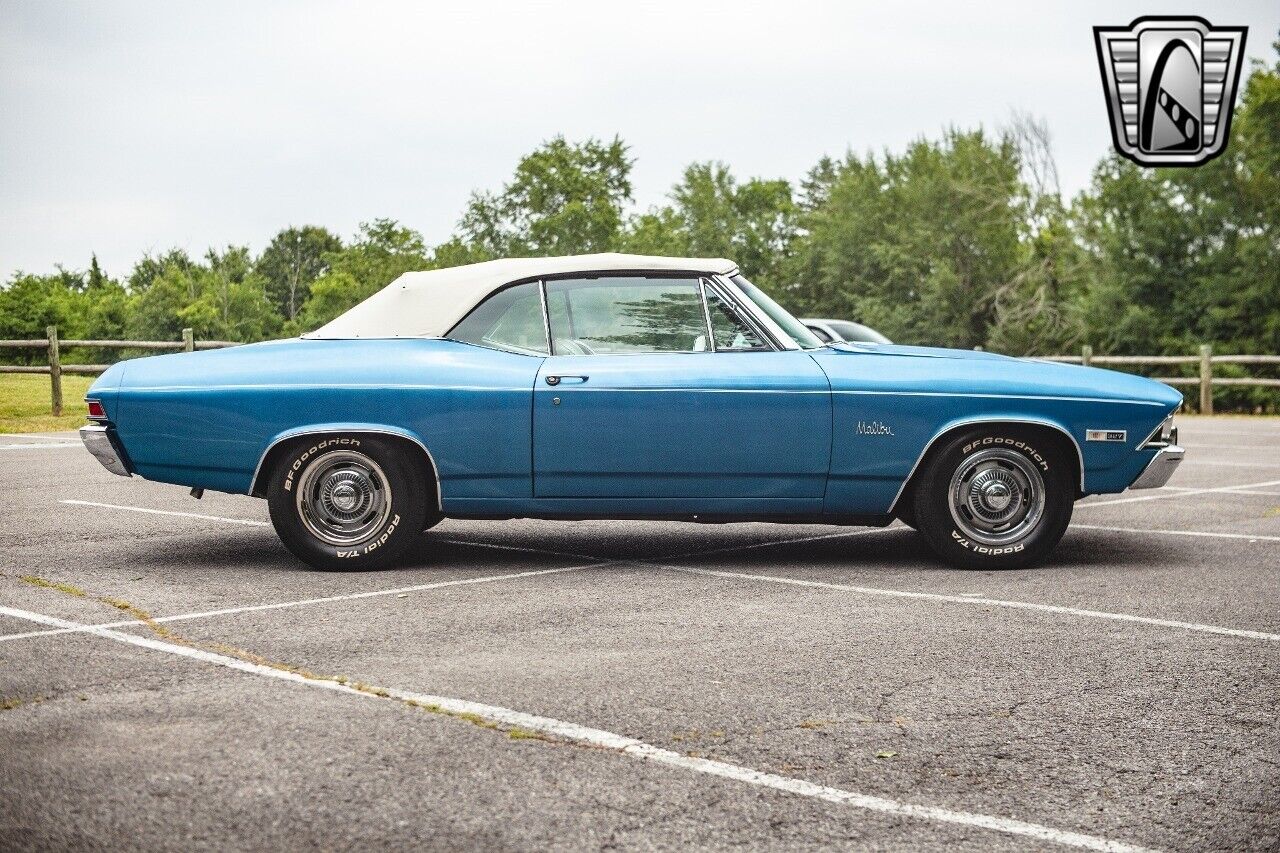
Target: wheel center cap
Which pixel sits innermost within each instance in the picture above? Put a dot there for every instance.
(996, 496)
(344, 497)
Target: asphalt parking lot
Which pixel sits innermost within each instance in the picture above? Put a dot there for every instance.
(522, 685)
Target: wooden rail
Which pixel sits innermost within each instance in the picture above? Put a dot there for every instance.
(55, 368)
(1206, 359)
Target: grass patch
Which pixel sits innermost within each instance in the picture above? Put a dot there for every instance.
(145, 618)
(25, 404)
(55, 585)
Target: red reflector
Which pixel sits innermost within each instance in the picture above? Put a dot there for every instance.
(96, 410)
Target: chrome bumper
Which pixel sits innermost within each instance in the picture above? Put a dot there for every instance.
(99, 441)
(1160, 468)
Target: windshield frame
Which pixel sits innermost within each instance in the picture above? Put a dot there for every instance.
(775, 318)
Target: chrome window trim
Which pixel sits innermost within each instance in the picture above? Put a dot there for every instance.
(982, 420)
(546, 316)
(706, 314)
(746, 315)
(781, 339)
(304, 431)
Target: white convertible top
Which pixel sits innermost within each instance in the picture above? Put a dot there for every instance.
(428, 304)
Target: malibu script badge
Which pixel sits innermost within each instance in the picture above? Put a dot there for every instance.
(873, 428)
(1170, 84)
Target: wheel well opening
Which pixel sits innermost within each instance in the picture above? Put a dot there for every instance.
(1051, 436)
(414, 451)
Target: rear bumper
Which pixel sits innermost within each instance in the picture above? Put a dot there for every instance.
(1160, 468)
(105, 447)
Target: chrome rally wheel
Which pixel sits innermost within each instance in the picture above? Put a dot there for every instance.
(348, 500)
(996, 496)
(343, 496)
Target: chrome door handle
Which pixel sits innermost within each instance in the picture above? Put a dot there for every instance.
(556, 380)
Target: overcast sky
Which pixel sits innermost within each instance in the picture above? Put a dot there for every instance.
(133, 127)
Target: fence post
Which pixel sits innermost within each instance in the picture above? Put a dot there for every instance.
(188, 341)
(1206, 379)
(55, 370)
(1086, 355)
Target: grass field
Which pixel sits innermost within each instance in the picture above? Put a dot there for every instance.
(24, 403)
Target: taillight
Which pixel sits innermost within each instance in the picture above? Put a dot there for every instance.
(96, 411)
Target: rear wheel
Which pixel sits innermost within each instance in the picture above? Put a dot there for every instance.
(347, 502)
(995, 498)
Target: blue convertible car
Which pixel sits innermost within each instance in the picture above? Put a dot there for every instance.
(621, 386)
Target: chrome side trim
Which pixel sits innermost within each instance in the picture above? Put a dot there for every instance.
(99, 441)
(253, 484)
(992, 420)
(1160, 468)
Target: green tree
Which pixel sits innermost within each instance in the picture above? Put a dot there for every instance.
(918, 245)
(564, 199)
(292, 260)
(712, 215)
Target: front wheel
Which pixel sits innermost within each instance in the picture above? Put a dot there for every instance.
(995, 498)
(346, 502)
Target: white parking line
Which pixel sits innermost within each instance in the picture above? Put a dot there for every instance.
(1236, 490)
(1181, 493)
(601, 561)
(282, 605)
(147, 511)
(996, 602)
(621, 744)
(1252, 537)
(1213, 463)
(38, 445)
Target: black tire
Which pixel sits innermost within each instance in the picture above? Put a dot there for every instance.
(957, 501)
(347, 502)
(907, 511)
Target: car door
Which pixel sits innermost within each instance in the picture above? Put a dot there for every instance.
(652, 391)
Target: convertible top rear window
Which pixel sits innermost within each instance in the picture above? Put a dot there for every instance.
(510, 319)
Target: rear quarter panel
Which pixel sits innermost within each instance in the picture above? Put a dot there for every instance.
(205, 419)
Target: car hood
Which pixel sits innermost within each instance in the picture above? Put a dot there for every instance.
(956, 371)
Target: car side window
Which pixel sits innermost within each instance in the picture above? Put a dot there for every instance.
(510, 319)
(730, 332)
(630, 314)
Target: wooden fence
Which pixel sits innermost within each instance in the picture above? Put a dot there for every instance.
(55, 368)
(1206, 359)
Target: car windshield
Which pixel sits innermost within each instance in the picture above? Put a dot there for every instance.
(795, 330)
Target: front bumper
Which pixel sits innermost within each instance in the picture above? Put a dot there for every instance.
(105, 447)
(1160, 468)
